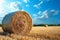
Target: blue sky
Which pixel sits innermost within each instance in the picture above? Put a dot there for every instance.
(41, 11)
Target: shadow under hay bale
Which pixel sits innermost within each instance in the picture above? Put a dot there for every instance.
(18, 22)
(4, 33)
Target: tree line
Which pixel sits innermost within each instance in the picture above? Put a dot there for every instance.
(46, 24)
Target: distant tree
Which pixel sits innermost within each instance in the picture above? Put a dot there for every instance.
(0, 24)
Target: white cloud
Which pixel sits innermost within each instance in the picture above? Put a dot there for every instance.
(52, 10)
(2, 8)
(45, 14)
(1, 12)
(27, 5)
(38, 5)
(26, 1)
(13, 6)
(55, 12)
(2, 1)
(1, 5)
(6, 7)
(39, 13)
(18, 2)
(35, 15)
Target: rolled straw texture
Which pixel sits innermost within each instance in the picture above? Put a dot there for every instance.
(18, 22)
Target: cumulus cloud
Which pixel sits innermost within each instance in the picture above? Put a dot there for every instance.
(2, 8)
(1, 11)
(6, 7)
(37, 5)
(14, 6)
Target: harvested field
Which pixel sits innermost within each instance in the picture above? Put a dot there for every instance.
(37, 33)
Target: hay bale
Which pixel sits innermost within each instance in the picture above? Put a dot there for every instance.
(17, 22)
(46, 25)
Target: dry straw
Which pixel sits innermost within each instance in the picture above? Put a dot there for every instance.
(18, 22)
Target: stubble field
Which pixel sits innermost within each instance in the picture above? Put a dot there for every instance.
(37, 33)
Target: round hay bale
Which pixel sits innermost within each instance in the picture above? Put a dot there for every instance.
(18, 22)
(46, 25)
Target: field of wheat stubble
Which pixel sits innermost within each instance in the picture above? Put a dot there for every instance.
(37, 33)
